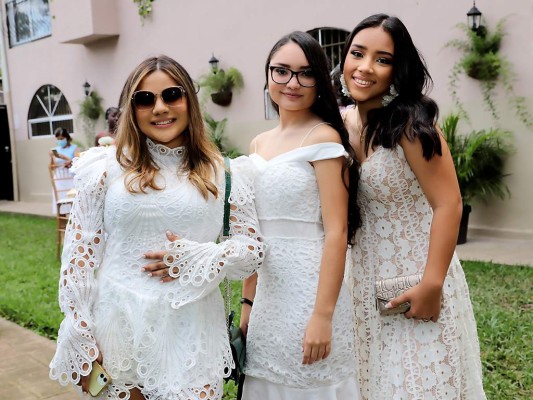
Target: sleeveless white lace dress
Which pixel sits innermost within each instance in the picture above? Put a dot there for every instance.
(288, 208)
(402, 358)
(167, 339)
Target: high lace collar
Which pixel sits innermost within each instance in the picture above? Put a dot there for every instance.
(165, 155)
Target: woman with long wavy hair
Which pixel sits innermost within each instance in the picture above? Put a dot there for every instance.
(154, 340)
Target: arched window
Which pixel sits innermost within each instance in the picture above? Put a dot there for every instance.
(332, 41)
(48, 110)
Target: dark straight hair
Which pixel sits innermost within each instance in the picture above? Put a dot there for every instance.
(60, 131)
(326, 108)
(412, 113)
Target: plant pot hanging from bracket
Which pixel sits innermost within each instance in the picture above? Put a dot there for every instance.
(222, 98)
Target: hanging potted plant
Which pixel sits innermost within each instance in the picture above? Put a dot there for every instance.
(144, 8)
(479, 159)
(91, 106)
(481, 60)
(220, 84)
(90, 111)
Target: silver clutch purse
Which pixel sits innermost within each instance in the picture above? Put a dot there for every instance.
(388, 289)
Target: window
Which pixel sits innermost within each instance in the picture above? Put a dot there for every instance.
(49, 110)
(332, 41)
(27, 20)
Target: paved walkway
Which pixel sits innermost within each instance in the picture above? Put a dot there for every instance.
(24, 355)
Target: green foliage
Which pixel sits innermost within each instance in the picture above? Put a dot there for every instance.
(481, 60)
(29, 272)
(144, 8)
(217, 134)
(479, 160)
(501, 296)
(503, 303)
(90, 111)
(91, 106)
(219, 80)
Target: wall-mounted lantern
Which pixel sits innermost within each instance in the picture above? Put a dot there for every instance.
(474, 18)
(87, 88)
(213, 61)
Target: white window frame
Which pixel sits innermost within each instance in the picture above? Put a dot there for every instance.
(40, 23)
(50, 113)
(322, 33)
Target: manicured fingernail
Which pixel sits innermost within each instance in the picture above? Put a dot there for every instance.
(149, 274)
(143, 270)
(388, 305)
(169, 233)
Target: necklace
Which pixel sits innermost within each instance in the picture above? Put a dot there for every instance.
(362, 136)
(359, 127)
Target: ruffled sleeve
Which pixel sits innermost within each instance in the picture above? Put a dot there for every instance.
(200, 267)
(82, 255)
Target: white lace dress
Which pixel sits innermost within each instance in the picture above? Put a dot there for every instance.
(288, 208)
(169, 340)
(403, 358)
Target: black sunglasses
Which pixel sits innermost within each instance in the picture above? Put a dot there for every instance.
(171, 96)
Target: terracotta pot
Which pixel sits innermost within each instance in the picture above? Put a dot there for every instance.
(222, 98)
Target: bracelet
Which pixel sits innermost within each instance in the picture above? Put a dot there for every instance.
(244, 300)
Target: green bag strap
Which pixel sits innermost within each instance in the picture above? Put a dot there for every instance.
(225, 235)
(227, 174)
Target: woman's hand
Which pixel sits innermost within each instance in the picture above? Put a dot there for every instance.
(158, 268)
(317, 339)
(84, 380)
(425, 299)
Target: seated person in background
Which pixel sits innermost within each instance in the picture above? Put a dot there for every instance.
(111, 116)
(65, 150)
(62, 156)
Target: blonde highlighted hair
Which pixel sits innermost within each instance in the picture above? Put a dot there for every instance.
(202, 158)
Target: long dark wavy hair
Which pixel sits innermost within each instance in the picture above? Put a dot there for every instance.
(326, 108)
(412, 113)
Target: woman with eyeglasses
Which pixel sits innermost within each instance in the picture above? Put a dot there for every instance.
(296, 311)
(155, 340)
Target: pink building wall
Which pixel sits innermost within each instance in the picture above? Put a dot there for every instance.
(240, 33)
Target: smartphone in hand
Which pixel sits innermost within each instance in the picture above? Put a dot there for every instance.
(98, 379)
(55, 153)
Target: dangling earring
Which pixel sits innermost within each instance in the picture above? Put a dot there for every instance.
(344, 87)
(388, 98)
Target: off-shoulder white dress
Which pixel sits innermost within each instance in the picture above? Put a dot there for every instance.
(288, 207)
(402, 358)
(169, 340)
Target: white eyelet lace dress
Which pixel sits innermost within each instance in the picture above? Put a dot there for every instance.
(403, 358)
(167, 339)
(288, 207)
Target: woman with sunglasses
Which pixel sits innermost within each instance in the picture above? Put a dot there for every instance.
(156, 341)
(296, 311)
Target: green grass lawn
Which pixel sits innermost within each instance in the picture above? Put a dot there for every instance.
(502, 297)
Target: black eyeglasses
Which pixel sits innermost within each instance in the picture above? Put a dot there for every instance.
(171, 96)
(283, 75)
